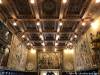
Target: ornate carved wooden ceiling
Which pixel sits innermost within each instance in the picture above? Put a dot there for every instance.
(49, 13)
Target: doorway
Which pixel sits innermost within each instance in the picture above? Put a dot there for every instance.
(49, 72)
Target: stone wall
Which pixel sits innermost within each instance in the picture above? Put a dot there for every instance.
(68, 59)
(31, 64)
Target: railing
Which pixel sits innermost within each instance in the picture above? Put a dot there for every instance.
(11, 72)
(81, 74)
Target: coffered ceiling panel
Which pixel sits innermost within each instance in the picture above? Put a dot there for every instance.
(44, 21)
(49, 8)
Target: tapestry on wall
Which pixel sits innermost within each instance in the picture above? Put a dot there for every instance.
(84, 54)
(18, 55)
(49, 60)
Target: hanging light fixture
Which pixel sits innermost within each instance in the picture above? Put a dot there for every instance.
(44, 50)
(38, 23)
(7, 33)
(27, 39)
(60, 23)
(56, 44)
(0, 1)
(69, 51)
(97, 1)
(33, 51)
(75, 36)
(23, 36)
(32, 1)
(58, 30)
(57, 37)
(70, 44)
(43, 44)
(7, 50)
(14, 24)
(40, 30)
(29, 44)
(71, 39)
(83, 23)
(95, 24)
(55, 49)
(41, 37)
(64, 1)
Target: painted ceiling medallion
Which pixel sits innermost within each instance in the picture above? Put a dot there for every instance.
(49, 6)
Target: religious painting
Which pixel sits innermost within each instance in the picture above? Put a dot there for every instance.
(49, 60)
